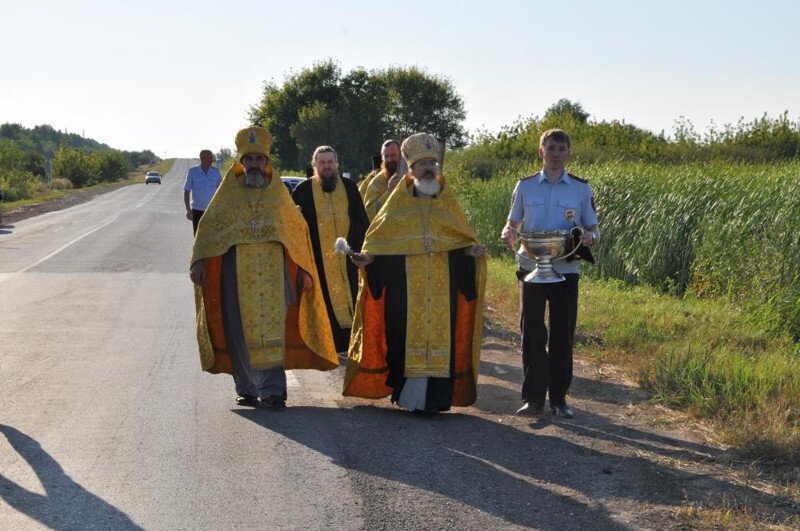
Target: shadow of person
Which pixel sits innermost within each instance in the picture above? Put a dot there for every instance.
(596, 389)
(499, 400)
(523, 477)
(487, 466)
(66, 505)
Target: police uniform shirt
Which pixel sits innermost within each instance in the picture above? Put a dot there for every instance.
(202, 185)
(543, 205)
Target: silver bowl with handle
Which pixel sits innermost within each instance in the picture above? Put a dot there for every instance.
(545, 247)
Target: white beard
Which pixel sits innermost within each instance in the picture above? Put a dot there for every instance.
(427, 187)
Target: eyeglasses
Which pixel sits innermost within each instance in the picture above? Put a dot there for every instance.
(427, 163)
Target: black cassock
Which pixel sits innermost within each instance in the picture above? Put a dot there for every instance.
(303, 196)
(389, 272)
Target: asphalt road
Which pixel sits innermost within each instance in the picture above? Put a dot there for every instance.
(108, 422)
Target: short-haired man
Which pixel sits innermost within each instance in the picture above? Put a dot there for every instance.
(257, 294)
(198, 189)
(333, 209)
(417, 330)
(384, 182)
(550, 199)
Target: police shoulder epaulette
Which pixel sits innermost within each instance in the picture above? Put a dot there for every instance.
(527, 177)
(586, 181)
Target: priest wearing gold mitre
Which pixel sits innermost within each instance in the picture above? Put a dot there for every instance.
(257, 294)
(417, 329)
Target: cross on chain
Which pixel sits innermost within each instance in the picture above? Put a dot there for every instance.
(427, 242)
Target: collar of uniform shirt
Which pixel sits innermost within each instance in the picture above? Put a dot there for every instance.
(564, 177)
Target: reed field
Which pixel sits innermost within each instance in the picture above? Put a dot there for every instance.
(696, 286)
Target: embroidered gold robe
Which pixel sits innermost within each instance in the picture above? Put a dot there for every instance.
(420, 303)
(269, 234)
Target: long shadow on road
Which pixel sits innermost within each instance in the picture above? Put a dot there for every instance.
(523, 477)
(66, 504)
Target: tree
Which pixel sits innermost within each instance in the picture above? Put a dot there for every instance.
(566, 108)
(75, 165)
(280, 107)
(112, 165)
(420, 102)
(356, 112)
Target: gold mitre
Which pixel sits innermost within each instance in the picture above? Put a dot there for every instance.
(253, 140)
(418, 147)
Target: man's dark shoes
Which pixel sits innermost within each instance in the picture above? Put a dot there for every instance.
(563, 411)
(245, 400)
(273, 402)
(529, 409)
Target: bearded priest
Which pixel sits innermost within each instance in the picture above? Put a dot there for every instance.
(417, 329)
(333, 209)
(257, 294)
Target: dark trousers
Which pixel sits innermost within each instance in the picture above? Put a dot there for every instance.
(548, 366)
(196, 215)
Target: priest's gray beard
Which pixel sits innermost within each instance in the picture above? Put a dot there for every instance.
(255, 178)
(427, 186)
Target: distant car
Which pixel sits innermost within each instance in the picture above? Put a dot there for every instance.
(152, 177)
(292, 181)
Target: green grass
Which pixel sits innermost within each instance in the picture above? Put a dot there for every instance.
(705, 356)
(44, 195)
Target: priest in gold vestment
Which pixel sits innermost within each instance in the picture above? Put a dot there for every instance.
(333, 209)
(417, 329)
(377, 191)
(257, 294)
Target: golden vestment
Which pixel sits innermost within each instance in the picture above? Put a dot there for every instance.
(269, 234)
(424, 231)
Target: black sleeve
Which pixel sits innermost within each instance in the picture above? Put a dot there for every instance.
(359, 222)
(462, 273)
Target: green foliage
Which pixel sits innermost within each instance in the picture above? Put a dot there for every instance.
(704, 355)
(17, 181)
(42, 142)
(17, 184)
(77, 166)
(355, 112)
(760, 140)
(112, 165)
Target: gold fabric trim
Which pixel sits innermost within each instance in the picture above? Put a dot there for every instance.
(333, 221)
(203, 337)
(260, 274)
(428, 326)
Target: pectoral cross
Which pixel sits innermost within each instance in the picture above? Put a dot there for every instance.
(427, 242)
(253, 225)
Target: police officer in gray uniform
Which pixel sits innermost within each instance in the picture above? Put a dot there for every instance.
(550, 199)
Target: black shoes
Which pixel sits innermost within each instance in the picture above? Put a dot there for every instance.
(246, 400)
(563, 411)
(529, 409)
(273, 402)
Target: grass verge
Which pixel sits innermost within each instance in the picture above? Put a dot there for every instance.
(134, 177)
(705, 356)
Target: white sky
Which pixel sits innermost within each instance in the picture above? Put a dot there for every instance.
(178, 76)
